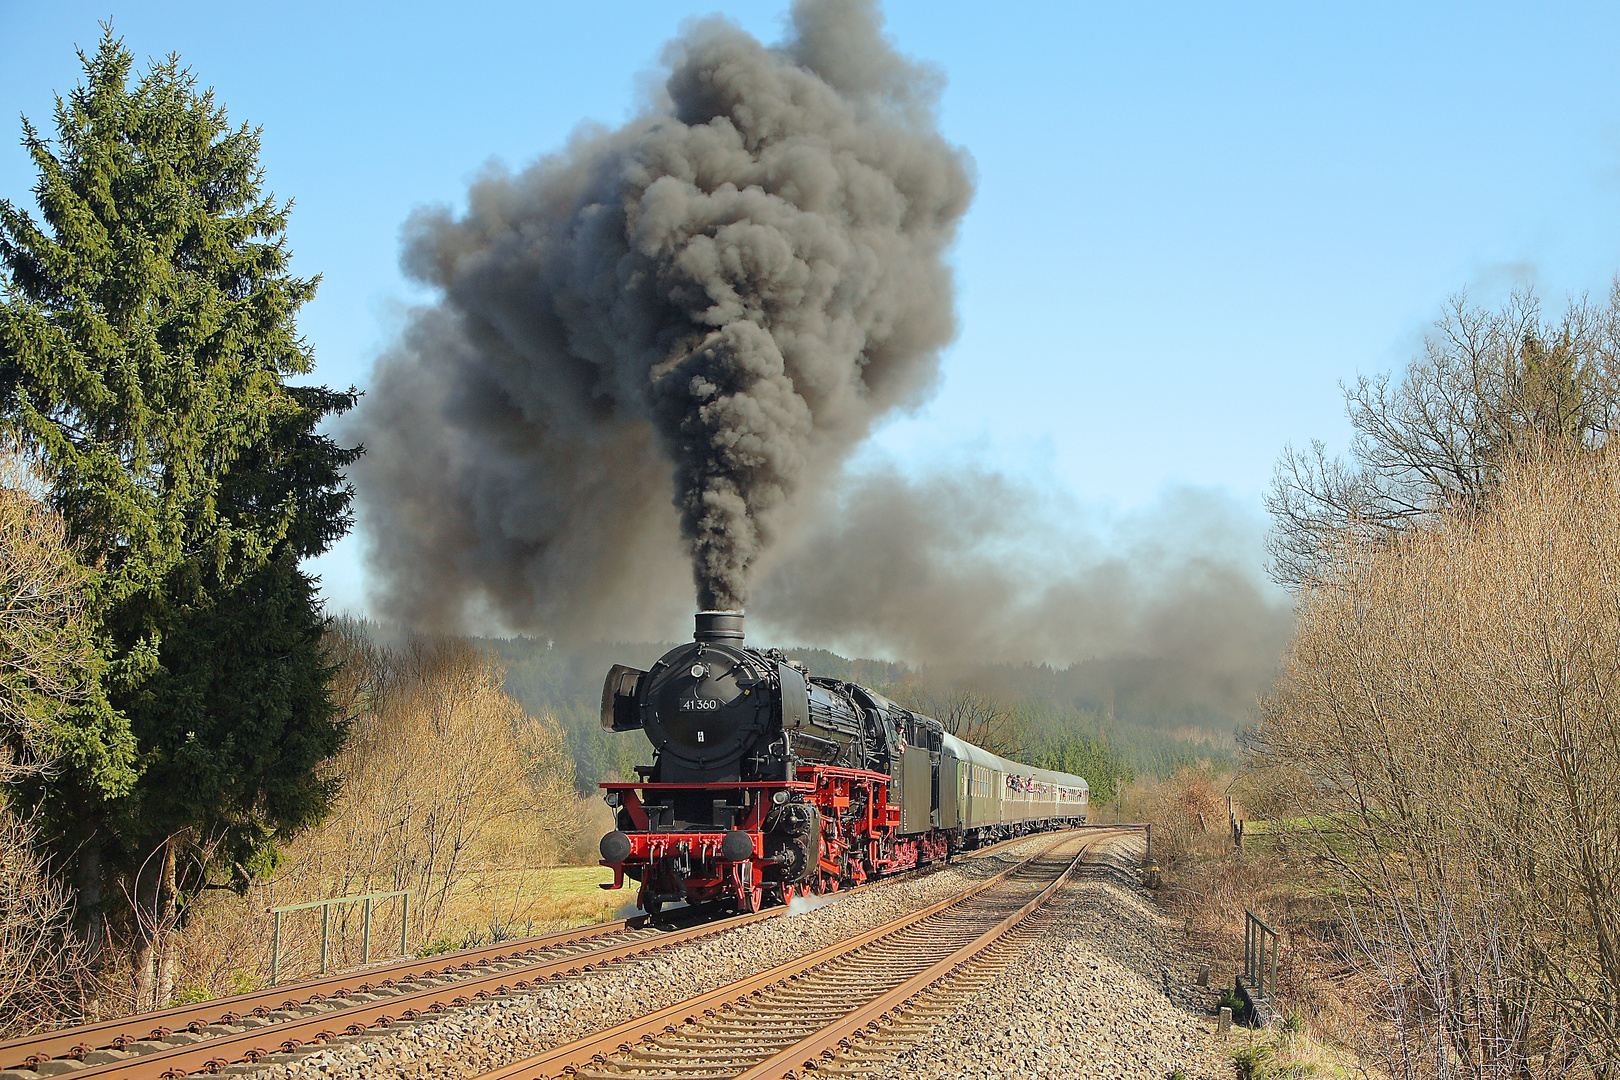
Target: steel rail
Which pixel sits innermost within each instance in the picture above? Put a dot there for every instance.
(766, 1036)
(870, 1050)
(356, 1013)
(134, 1049)
(80, 1041)
(824, 1042)
(87, 1038)
(593, 1050)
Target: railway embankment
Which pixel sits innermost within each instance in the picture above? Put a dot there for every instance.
(1085, 996)
(1040, 957)
(489, 1034)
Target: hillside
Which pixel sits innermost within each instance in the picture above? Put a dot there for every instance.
(1154, 718)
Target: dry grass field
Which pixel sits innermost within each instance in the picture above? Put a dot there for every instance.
(524, 901)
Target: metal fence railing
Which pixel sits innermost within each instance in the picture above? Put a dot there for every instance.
(326, 925)
(1259, 949)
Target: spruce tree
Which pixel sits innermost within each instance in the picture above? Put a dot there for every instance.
(147, 327)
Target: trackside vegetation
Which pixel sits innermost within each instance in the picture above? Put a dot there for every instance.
(1443, 751)
(1436, 771)
(147, 333)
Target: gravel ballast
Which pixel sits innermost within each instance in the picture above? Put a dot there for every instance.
(1087, 998)
(489, 1034)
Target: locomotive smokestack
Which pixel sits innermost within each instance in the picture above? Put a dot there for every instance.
(719, 626)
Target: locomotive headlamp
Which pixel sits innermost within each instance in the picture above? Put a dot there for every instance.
(612, 798)
(699, 670)
(779, 797)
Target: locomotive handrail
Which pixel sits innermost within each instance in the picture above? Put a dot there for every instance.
(619, 785)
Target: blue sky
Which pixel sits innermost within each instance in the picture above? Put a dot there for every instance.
(1191, 221)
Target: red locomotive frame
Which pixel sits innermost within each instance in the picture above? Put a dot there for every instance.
(851, 851)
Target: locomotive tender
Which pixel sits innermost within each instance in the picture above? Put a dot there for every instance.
(768, 783)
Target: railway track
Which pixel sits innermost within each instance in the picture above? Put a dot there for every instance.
(844, 1010)
(262, 1008)
(211, 1036)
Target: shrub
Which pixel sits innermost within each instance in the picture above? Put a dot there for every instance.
(43, 976)
(1444, 733)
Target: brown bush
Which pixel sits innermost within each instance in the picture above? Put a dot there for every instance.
(1192, 842)
(43, 975)
(1447, 739)
(1185, 810)
(47, 671)
(449, 790)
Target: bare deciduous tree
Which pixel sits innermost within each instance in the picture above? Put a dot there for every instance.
(1488, 382)
(47, 671)
(47, 656)
(445, 780)
(440, 760)
(1447, 732)
(969, 714)
(42, 967)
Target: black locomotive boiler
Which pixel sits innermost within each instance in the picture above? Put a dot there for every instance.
(768, 782)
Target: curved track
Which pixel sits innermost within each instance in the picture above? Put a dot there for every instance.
(845, 1008)
(212, 1035)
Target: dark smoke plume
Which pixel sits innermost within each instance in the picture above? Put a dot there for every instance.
(726, 292)
(1165, 609)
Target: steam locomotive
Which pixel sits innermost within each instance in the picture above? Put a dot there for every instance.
(768, 783)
